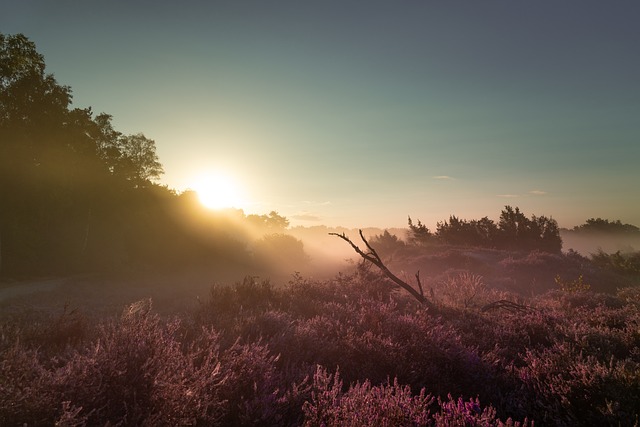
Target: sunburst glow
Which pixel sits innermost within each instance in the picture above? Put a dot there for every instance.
(218, 191)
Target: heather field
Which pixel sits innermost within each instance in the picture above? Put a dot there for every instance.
(508, 339)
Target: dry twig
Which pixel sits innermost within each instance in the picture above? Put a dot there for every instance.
(510, 306)
(372, 256)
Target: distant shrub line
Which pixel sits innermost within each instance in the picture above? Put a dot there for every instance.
(514, 231)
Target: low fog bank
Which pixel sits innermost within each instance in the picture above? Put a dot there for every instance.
(276, 255)
(591, 243)
(328, 254)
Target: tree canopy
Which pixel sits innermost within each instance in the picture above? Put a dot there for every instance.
(76, 194)
(599, 225)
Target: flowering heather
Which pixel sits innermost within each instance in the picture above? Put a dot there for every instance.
(346, 351)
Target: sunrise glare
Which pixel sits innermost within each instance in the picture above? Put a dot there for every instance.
(218, 191)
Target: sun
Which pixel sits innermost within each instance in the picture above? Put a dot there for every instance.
(218, 191)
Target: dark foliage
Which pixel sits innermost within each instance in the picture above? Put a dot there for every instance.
(599, 225)
(514, 231)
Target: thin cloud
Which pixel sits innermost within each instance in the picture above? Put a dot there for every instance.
(537, 192)
(314, 203)
(306, 216)
(444, 177)
(508, 196)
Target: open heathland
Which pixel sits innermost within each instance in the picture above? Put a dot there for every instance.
(351, 350)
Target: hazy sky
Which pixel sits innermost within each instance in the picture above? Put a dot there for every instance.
(359, 113)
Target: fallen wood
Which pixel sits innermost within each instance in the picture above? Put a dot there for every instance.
(372, 256)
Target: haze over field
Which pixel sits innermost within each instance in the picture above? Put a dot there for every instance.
(357, 114)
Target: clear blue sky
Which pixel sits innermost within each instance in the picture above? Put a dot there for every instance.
(359, 113)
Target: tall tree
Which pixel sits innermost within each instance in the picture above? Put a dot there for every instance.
(548, 234)
(62, 172)
(419, 234)
(519, 232)
(139, 162)
(514, 228)
(33, 114)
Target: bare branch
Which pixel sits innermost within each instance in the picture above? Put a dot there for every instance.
(508, 305)
(373, 257)
(419, 283)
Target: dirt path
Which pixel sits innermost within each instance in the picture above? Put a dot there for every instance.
(22, 288)
(97, 295)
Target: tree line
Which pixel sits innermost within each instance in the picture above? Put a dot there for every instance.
(513, 231)
(599, 225)
(78, 195)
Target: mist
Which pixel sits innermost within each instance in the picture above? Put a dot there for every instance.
(591, 243)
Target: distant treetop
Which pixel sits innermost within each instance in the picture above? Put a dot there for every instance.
(605, 226)
(513, 231)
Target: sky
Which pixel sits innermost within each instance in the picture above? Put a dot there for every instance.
(361, 113)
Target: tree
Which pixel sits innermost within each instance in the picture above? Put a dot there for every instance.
(280, 251)
(130, 157)
(548, 234)
(139, 162)
(36, 155)
(487, 231)
(386, 243)
(62, 171)
(514, 228)
(419, 234)
(27, 94)
(273, 222)
(457, 231)
(516, 231)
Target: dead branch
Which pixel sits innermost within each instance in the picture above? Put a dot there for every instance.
(372, 256)
(419, 283)
(507, 305)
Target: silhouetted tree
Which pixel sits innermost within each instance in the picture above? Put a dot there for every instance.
(271, 223)
(457, 231)
(386, 243)
(139, 162)
(516, 231)
(548, 234)
(42, 156)
(280, 251)
(606, 226)
(65, 177)
(419, 234)
(487, 231)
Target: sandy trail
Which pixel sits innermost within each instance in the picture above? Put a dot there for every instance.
(30, 287)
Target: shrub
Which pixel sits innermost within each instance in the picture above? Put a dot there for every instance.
(390, 404)
(364, 404)
(576, 285)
